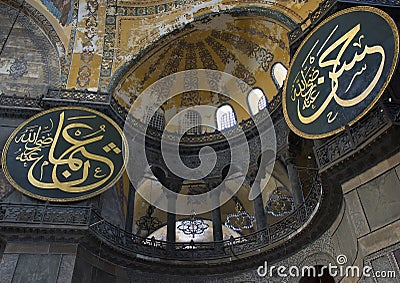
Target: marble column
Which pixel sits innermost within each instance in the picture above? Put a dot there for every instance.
(258, 204)
(216, 213)
(171, 219)
(171, 216)
(294, 179)
(217, 224)
(130, 211)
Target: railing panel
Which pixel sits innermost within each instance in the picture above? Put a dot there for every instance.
(378, 119)
(44, 214)
(34, 214)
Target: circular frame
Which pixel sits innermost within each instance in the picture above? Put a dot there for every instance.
(394, 29)
(26, 122)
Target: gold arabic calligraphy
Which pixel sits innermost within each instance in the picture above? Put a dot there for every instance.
(306, 82)
(70, 170)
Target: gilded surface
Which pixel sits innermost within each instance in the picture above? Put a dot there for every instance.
(64, 154)
(340, 71)
(100, 36)
(244, 47)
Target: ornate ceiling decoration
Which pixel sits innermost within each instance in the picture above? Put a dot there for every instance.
(280, 202)
(148, 223)
(245, 47)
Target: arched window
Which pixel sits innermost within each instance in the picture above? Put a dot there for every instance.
(256, 100)
(191, 122)
(278, 73)
(225, 117)
(262, 103)
(158, 120)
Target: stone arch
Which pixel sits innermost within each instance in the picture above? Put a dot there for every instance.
(278, 13)
(34, 56)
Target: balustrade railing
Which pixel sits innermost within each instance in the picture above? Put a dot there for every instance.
(13, 101)
(44, 214)
(58, 96)
(39, 215)
(377, 120)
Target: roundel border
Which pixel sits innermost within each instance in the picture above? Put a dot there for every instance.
(395, 31)
(72, 199)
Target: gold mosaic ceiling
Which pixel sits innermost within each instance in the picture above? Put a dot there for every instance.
(246, 47)
(97, 39)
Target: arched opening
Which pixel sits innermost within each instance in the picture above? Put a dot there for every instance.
(278, 74)
(191, 122)
(157, 121)
(256, 100)
(30, 58)
(193, 229)
(226, 117)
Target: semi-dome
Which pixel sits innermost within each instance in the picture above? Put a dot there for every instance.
(254, 49)
(215, 187)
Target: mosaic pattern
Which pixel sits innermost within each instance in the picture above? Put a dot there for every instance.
(172, 65)
(191, 98)
(248, 47)
(60, 9)
(259, 33)
(227, 57)
(39, 70)
(205, 48)
(18, 68)
(153, 68)
(141, 10)
(206, 59)
(40, 20)
(71, 44)
(212, 80)
(88, 49)
(109, 45)
(108, 78)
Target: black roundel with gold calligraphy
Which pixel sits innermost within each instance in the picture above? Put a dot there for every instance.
(65, 154)
(340, 71)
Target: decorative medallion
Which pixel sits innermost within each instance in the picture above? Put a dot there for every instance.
(193, 226)
(18, 68)
(280, 202)
(340, 71)
(64, 154)
(240, 220)
(147, 222)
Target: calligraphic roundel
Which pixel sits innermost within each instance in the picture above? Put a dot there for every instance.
(65, 154)
(340, 71)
